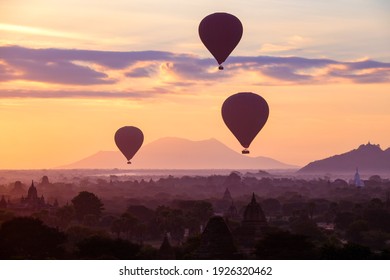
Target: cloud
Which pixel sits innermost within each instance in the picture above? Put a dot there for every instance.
(6, 73)
(165, 69)
(58, 72)
(298, 70)
(141, 72)
(110, 59)
(37, 31)
(80, 94)
(292, 43)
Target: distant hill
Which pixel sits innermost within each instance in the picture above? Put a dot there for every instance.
(368, 158)
(178, 153)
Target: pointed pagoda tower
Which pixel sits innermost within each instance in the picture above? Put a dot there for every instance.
(32, 201)
(357, 181)
(216, 241)
(253, 225)
(166, 251)
(227, 196)
(32, 194)
(254, 217)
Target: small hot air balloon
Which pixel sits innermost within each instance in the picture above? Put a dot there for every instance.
(220, 33)
(245, 114)
(129, 139)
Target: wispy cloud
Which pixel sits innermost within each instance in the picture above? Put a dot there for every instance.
(292, 43)
(6, 73)
(88, 68)
(37, 31)
(58, 72)
(27, 93)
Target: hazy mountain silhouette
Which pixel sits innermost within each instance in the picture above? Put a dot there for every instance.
(178, 153)
(367, 157)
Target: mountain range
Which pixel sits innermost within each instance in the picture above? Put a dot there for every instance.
(178, 153)
(367, 158)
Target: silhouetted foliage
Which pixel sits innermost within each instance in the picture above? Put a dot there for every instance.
(147, 252)
(170, 220)
(78, 233)
(321, 215)
(98, 247)
(283, 245)
(29, 238)
(350, 251)
(86, 203)
(65, 214)
(271, 206)
(377, 218)
(302, 225)
(188, 248)
(6, 215)
(141, 212)
(196, 213)
(343, 220)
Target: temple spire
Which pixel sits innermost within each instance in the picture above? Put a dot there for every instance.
(253, 198)
(357, 181)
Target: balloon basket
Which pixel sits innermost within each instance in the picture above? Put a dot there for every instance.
(245, 152)
(220, 67)
(129, 162)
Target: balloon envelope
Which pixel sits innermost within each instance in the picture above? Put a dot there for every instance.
(220, 33)
(245, 114)
(129, 139)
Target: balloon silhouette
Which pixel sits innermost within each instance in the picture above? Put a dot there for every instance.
(129, 139)
(220, 33)
(245, 114)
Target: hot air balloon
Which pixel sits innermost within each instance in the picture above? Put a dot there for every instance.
(129, 139)
(245, 114)
(220, 33)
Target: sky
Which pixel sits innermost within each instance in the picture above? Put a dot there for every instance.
(73, 72)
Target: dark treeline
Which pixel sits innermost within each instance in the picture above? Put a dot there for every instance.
(196, 217)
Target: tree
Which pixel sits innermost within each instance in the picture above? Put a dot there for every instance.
(141, 212)
(350, 251)
(65, 214)
(170, 220)
(78, 233)
(86, 203)
(99, 247)
(28, 238)
(343, 220)
(283, 245)
(271, 206)
(303, 225)
(195, 212)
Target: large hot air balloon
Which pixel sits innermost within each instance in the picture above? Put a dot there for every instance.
(129, 139)
(245, 114)
(220, 33)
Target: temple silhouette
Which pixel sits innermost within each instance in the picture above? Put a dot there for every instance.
(218, 241)
(32, 202)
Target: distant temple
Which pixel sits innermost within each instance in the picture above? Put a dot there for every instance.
(32, 200)
(216, 241)
(231, 213)
(219, 242)
(253, 225)
(227, 196)
(357, 181)
(227, 206)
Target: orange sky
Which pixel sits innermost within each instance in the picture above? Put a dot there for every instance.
(58, 104)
